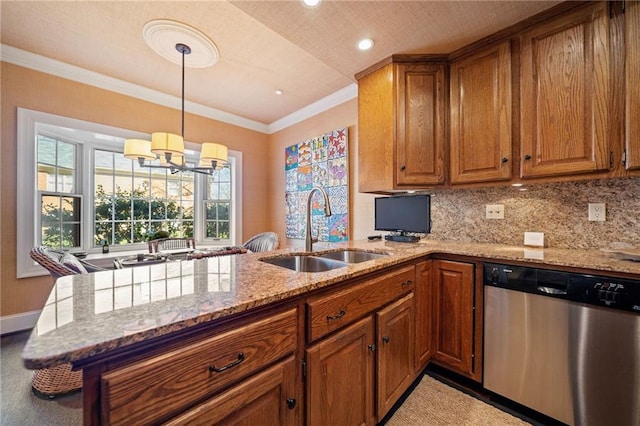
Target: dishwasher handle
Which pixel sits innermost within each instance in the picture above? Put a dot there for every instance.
(552, 290)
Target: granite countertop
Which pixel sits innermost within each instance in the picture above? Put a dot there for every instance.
(92, 314)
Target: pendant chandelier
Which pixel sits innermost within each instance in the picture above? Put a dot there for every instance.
(170, 147)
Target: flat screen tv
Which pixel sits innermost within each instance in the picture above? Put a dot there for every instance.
(403, 214)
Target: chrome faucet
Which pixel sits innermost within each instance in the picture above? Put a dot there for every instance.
(309, 240)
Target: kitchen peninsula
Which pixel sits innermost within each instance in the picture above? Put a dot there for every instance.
(259, 332)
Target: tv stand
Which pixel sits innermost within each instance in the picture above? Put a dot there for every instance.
(402, 238)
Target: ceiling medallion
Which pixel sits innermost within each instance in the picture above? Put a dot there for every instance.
(162, 35)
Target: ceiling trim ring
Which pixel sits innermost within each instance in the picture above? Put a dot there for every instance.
(162, 35)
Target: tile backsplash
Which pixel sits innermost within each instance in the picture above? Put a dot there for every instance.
(560, 210)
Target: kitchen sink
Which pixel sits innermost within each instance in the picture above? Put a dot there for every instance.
(351, 256)
(301, 263)
(322, 261)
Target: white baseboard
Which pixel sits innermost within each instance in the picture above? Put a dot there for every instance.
(18, 322)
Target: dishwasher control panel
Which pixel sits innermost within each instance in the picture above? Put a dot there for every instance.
(615, 293)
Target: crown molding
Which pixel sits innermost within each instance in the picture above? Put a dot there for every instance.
(336, 98)
(71, 72)
(46, 65)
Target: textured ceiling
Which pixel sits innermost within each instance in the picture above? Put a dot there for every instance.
(264, 45)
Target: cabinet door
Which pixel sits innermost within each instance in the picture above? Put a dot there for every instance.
(376, 127)
(269, 398)
(454, 285)
(420, 128)
(395, 352)
(340, 372)
(481, 116)
(424, 294)
(632, 72)
(566, 88)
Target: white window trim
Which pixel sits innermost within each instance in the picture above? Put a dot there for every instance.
(27, 203)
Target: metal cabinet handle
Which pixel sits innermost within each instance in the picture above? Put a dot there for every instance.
(407, 283)
(403, 167)
(291, 403)
(213, 369)
(527, 157)
(372, 347)
(385, 339)
(504, 159)
(335, 317)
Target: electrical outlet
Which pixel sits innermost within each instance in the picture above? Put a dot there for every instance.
(597, 212)
(534, 239)
(494, 211)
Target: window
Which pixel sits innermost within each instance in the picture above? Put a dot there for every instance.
(133, 202)
(79, 191)
(217, 204)
(60, 208)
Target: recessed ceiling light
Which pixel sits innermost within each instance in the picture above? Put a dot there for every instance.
(312, 3)
(365, 44)
(278, 92)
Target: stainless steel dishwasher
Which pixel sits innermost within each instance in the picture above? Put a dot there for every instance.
(564, 344)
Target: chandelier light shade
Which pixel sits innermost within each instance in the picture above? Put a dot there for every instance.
(134, 149)
(214, 152)
(167, 144)
(170, 147)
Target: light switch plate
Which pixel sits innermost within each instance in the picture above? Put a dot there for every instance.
(534, 239)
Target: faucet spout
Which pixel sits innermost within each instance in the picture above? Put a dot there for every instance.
(309, 239)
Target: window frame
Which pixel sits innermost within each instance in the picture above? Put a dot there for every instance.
(92, 136)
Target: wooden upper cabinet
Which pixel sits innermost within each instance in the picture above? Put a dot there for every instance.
(401, 126)
(565, 94)
(632, 73)
(420, 140)
(481, 116)
(376, 130)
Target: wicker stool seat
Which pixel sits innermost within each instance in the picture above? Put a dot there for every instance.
(52, 382)
(58, 380)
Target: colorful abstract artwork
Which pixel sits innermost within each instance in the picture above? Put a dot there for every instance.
(321, 161)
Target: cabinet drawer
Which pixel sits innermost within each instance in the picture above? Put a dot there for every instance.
(328, 313)
(166, 384)
(265, 399)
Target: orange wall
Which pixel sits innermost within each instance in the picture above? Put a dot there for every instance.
(30, 89)
(360, 205)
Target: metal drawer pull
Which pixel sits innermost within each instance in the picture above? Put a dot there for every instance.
(407, 283)
(335, 317)
(213, 369)
(385, 339)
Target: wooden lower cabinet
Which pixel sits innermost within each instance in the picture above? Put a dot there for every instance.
(160, 387)
(424, 330)
(396, 371)
(340, 371)
(267, 399)
(454, 315)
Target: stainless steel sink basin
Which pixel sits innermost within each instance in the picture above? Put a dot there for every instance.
(300, 263)
(351, 256)
(322, 261)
